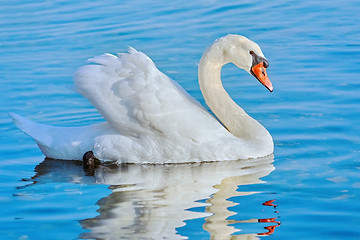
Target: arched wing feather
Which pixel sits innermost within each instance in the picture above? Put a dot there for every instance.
(135, 97)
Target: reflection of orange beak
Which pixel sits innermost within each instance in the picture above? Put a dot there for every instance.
(259, 71)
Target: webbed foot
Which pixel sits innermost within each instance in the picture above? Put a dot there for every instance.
(90, 163)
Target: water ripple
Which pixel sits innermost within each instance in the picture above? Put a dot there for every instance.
(313, 113)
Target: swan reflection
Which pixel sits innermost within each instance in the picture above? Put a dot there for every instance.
(154, 201)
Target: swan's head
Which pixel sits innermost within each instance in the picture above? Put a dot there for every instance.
(247, 55)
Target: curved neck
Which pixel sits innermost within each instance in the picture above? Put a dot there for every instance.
(233, 117)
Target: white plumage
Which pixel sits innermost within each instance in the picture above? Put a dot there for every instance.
(152, 119)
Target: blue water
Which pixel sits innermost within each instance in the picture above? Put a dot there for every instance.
(313, 115)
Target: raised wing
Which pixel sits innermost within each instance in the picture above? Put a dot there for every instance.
(135, 97)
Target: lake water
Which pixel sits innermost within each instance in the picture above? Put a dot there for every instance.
(310, 189)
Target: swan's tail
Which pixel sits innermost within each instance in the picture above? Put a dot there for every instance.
(39, 132)
(54, 142)
(68, 143)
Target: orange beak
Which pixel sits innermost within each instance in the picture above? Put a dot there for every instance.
(259, 71)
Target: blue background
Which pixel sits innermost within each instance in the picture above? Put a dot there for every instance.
(313, 114)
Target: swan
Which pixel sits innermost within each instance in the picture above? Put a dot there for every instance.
(151, 119)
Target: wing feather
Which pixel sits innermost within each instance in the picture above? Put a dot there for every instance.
(136, 98)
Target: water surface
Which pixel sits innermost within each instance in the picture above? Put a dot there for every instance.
(313, 115)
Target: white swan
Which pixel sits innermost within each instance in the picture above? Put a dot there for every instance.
(152, 119)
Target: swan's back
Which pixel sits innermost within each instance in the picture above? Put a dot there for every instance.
(136, 98)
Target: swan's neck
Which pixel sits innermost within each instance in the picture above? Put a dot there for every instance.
(233, 117)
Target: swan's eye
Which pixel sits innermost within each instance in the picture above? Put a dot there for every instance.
(251, 52)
